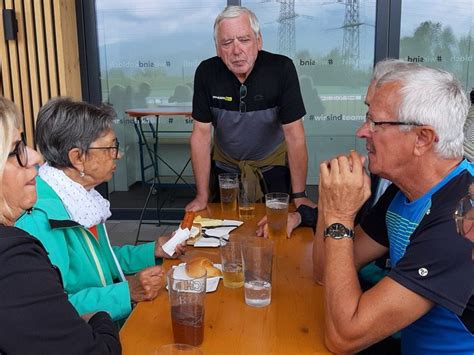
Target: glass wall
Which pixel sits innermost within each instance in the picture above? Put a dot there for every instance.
(440, 34)
(148, 52)
(332, 46)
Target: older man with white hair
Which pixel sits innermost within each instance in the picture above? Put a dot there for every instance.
(414, 135)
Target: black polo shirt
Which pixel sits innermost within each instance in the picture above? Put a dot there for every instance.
(273, 99)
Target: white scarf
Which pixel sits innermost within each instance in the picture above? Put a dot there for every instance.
(88, 208)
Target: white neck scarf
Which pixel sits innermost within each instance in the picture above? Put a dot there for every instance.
(88, 208)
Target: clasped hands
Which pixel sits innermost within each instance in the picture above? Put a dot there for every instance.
(145, 284)
(344, 186)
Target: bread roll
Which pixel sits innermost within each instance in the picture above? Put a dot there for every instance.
(194, 265)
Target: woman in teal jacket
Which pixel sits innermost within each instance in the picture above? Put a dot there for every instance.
(80, 149)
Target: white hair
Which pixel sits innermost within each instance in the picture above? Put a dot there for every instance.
(432, 97)
(388, 65)
(233, 12)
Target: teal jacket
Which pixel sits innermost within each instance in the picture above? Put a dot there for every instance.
(89, 272)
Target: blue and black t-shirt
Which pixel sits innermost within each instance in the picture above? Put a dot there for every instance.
(430, 258)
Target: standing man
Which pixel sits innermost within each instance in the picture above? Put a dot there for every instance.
(414, 138)
(252, 99)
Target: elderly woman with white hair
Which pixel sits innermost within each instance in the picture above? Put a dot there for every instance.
(80, 148)
(35, 315)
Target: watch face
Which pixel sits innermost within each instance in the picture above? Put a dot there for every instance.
(338, 231)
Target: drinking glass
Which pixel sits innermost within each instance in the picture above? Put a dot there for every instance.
(231, 260)
(187, 306)
(257, 254)
(229, 188)
(247, 198)
(276, 204)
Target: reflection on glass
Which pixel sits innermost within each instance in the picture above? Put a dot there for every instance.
(332, 46)
(438, 33)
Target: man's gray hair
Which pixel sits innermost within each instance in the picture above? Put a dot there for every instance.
(64, 124)
(432, 97)
(387, 65)
(233, 12)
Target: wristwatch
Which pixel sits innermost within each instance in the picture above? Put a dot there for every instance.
(299, 195)
(338, 231)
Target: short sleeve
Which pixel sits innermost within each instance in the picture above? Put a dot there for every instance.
(201, 106)
(374, 224)
(438, 266)
(291, 104)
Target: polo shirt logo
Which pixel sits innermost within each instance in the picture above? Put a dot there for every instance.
(423, 271)
(225, 98)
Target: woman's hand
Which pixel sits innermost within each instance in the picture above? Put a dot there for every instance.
(145, 284)
(160, 253)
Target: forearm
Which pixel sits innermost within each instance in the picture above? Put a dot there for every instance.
(113, 299)
(318, 249)
(298, 162)
(342, 294)
(201, 161)
(133, 258)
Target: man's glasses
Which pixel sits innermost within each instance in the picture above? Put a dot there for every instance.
(243, 95)
(113, 150)
(373, 124)
(20, 151)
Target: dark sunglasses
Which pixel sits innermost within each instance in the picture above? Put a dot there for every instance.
(243, 95)
(114, 150)
(20, 151)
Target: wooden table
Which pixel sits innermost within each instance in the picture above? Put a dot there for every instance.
(292, 324)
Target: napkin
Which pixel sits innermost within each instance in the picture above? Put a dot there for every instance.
(221, 232)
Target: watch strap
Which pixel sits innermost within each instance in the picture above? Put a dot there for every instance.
(299, 195)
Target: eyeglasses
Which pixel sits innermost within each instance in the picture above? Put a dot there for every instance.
(373, 124)
(114, 150)
(21, 152)
(243, 95)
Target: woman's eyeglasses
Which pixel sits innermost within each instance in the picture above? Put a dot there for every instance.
(20, 151)
(243, 94)
(114, 151)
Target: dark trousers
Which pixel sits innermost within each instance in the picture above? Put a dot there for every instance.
(277, 179)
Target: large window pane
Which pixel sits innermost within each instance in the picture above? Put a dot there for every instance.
(149, 51)
(440, 33)
(332, 46)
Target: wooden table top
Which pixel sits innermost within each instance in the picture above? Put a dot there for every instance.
(292, 324)
(160, 111)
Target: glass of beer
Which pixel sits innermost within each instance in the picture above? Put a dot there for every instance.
(247, 198)
(187, 306)
(229, 189)
(231, 259)
(276, 204)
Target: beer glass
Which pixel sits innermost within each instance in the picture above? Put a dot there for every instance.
(229, 188)
(276, 204)
(231, 260)
(247, 198)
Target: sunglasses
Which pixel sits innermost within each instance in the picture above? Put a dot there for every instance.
(243, 95)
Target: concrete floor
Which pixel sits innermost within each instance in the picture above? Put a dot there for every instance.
(125, 231)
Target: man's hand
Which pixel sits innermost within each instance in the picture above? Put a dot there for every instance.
(294, 220)
(160, 253)
(144, 285)
(344, 186)
(198, 204)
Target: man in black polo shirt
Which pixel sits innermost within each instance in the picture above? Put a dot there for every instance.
(252, 99)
